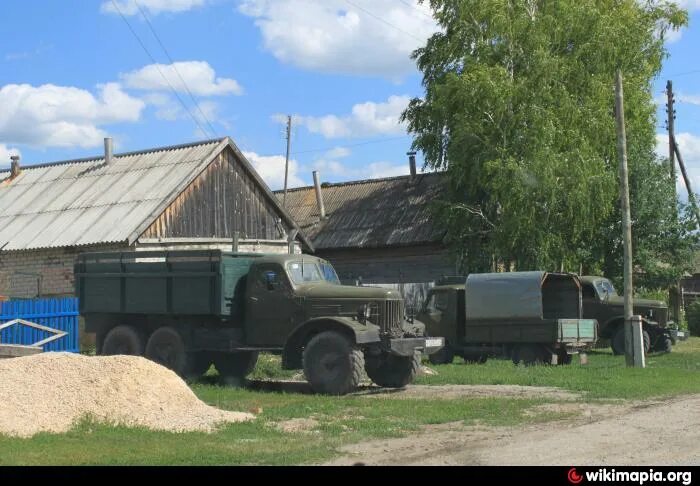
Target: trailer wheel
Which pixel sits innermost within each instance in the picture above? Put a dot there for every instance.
(444, 355)
(123, 340)
(166, 347)
(563, 358)
(528, 355)
(392, 371)
(234, 367)
(332, 364)
(475, 358)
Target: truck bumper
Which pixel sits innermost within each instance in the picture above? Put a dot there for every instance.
(408, 346)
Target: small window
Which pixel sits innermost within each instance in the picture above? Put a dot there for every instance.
(588, 292)
(441, 301)
(438, 302)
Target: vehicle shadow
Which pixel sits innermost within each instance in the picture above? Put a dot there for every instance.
(289, 386)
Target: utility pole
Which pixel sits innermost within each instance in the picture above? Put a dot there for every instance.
(671, 116)
(632, 346)
(286, 160)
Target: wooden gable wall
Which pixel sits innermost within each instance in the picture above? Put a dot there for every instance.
(222, 200)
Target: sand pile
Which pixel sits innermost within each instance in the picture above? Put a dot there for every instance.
(50, 392)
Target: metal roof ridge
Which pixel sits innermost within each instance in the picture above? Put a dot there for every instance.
(123, 154)
(360, 181)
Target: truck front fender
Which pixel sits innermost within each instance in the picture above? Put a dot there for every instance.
(356, 332)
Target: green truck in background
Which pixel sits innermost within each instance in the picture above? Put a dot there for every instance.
(601, 302)
(532, 317)
(189, 309)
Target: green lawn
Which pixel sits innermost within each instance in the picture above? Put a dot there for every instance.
(343, 420)
(606, 376)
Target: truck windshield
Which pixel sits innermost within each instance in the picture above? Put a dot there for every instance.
(605, 287)
(329, 273)
(309, 273)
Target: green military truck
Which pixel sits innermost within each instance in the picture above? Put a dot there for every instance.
(189, 309)
(601, 302)
(532, 317)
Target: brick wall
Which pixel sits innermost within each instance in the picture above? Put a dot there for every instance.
(28, 274)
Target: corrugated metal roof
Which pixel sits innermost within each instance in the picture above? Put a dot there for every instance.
(370, 213)
(84, 202)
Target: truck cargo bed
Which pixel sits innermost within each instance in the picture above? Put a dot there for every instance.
(208, 282)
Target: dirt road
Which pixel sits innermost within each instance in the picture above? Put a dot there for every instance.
(653, 433)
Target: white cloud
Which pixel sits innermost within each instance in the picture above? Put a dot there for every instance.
(199, 76)
(271, 169)
(338, 37)
(387, 169)
(688, 99)
(689, 147)
(338, 153)
(5, 153)
(365, 119)
(62, 116)
(169, 109)
(130, 7)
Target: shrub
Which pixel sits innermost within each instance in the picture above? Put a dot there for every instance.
(693, 317)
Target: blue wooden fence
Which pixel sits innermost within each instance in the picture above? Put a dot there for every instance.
(59, 313)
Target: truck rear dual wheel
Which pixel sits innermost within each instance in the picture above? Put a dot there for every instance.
(529, 354)
(332, 363)
(392, 371)
(167, 348)
(123, 340)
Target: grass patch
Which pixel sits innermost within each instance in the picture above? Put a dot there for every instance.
(340, 420)
(606, 375)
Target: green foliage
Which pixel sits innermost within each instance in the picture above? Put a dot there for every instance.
(518, 109)
(693, 317)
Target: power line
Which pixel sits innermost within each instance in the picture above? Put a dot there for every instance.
(382, 20)
(325, 149)
(194, 100)
(155, 63)
(416, 7)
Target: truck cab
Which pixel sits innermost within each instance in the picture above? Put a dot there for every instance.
(602, 302)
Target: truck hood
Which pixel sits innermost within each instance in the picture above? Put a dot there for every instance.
(641, 303)
(324, 290)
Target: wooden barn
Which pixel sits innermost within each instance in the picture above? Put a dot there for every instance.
(198, 195)
(377, 231)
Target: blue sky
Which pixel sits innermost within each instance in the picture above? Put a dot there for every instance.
(70, 76)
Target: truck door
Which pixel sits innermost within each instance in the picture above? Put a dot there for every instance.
(270, 306)
(440, 315)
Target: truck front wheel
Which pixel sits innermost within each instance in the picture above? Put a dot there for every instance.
(618, 341)
(392, 371)
(123, 340)
(234, 367)
(332, 364)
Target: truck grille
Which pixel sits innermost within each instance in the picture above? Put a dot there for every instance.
(389, 315)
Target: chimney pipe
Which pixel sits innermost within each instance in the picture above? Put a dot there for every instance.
(412, 163)
(108, 150)
(319, 196)
(14, 166)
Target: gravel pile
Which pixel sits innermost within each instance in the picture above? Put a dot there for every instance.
(50, 392)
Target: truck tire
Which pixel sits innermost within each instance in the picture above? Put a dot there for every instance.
(392, 371)
(528, 355)
(123, 340)
(332, 364)
(563, 358)
(664, 344)
(618, 341)
(234, 367)
(444, 355)
(166, 347)
(475, 358)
